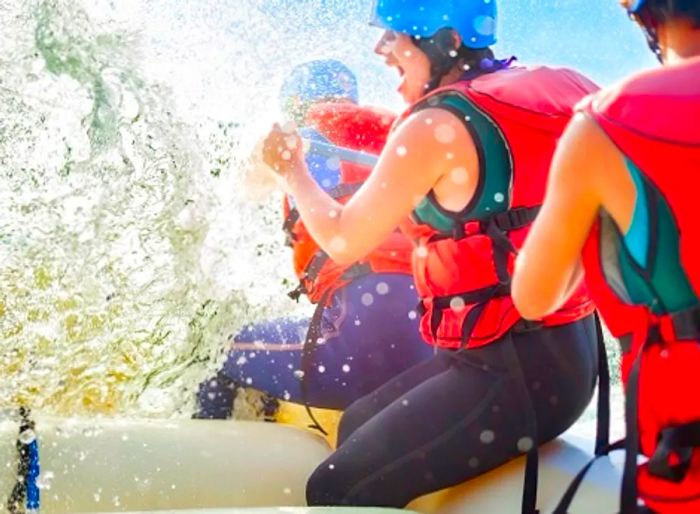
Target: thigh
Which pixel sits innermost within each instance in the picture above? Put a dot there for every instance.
(368, 337)
(451, 427)
(371, 404)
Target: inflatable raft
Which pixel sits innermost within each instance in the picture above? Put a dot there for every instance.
(208, 467)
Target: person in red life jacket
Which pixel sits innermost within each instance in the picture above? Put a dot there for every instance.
(463, 172)
(364, 330)
(621, 209)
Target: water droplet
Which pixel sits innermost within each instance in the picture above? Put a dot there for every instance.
(473, 462)
(412, 314)
(404, 402)
(457, 304)
(484, 25)
(444, 133)
(44, 480)
(125, 437)
(499, 197)
(453, 53)
(459, 175)
(367, 299)
(346, 368)
(401, 151)
(331, 466)
(382, 288)
(333, 163)
(249, 381)
(428, 121)
(338, 244)
(27, 436)
(487, 436)
(287, 490)
(286, 155)
(321, 368)
(298, 373)
(525, 444)
(422, 252)
(358, 323)
(241, 360)
(333, 214)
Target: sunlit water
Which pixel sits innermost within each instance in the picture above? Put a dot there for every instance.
(129, 248)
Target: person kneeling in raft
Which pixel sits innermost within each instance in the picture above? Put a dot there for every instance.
(365, 327)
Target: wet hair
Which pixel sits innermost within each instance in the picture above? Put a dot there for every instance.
(444, 56)
(664, 10)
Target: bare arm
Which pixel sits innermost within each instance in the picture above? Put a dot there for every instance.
(548, 267)
(412, 162)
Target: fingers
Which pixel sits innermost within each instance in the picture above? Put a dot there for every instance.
(282, 148)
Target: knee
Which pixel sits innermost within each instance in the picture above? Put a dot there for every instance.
(324, 488)
(353, 417)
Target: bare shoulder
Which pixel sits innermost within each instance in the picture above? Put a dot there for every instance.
(585, 154)
(437, 132)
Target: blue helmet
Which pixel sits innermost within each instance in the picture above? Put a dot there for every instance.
(473, 20)
(318, 80)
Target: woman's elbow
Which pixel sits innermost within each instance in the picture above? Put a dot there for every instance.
(530, 303)
(343, 254)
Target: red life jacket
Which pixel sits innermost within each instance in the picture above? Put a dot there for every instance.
(356, 128)
(653, 120)
(464, 261)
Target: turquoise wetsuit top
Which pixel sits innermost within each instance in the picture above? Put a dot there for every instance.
(644, 266)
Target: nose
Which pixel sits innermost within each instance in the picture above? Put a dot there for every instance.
(386, 43)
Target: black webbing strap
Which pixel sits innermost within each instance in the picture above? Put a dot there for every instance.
(602, 437)
(531, 475)
(313, 334)
(602, 440)
(628, 492)
(311, 274)
(514, 219)
(478, 296)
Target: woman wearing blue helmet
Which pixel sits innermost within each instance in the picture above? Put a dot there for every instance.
(462, 173)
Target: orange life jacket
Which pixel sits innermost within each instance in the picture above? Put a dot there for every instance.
(357, 128)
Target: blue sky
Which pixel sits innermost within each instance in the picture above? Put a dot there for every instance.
(593, 36)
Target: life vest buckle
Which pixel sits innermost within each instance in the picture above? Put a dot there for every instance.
(678, 441)
(357, 270)
(686, 324)
(297, 292)
(517, 218)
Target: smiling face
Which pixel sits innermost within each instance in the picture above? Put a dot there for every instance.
(412, 64)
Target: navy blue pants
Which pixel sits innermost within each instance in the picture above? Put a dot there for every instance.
(369, 334)
(458, 415)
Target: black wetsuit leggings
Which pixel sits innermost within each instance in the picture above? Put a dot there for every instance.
(457, 416)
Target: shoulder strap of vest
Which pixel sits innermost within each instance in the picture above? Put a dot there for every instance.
(495, 165)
